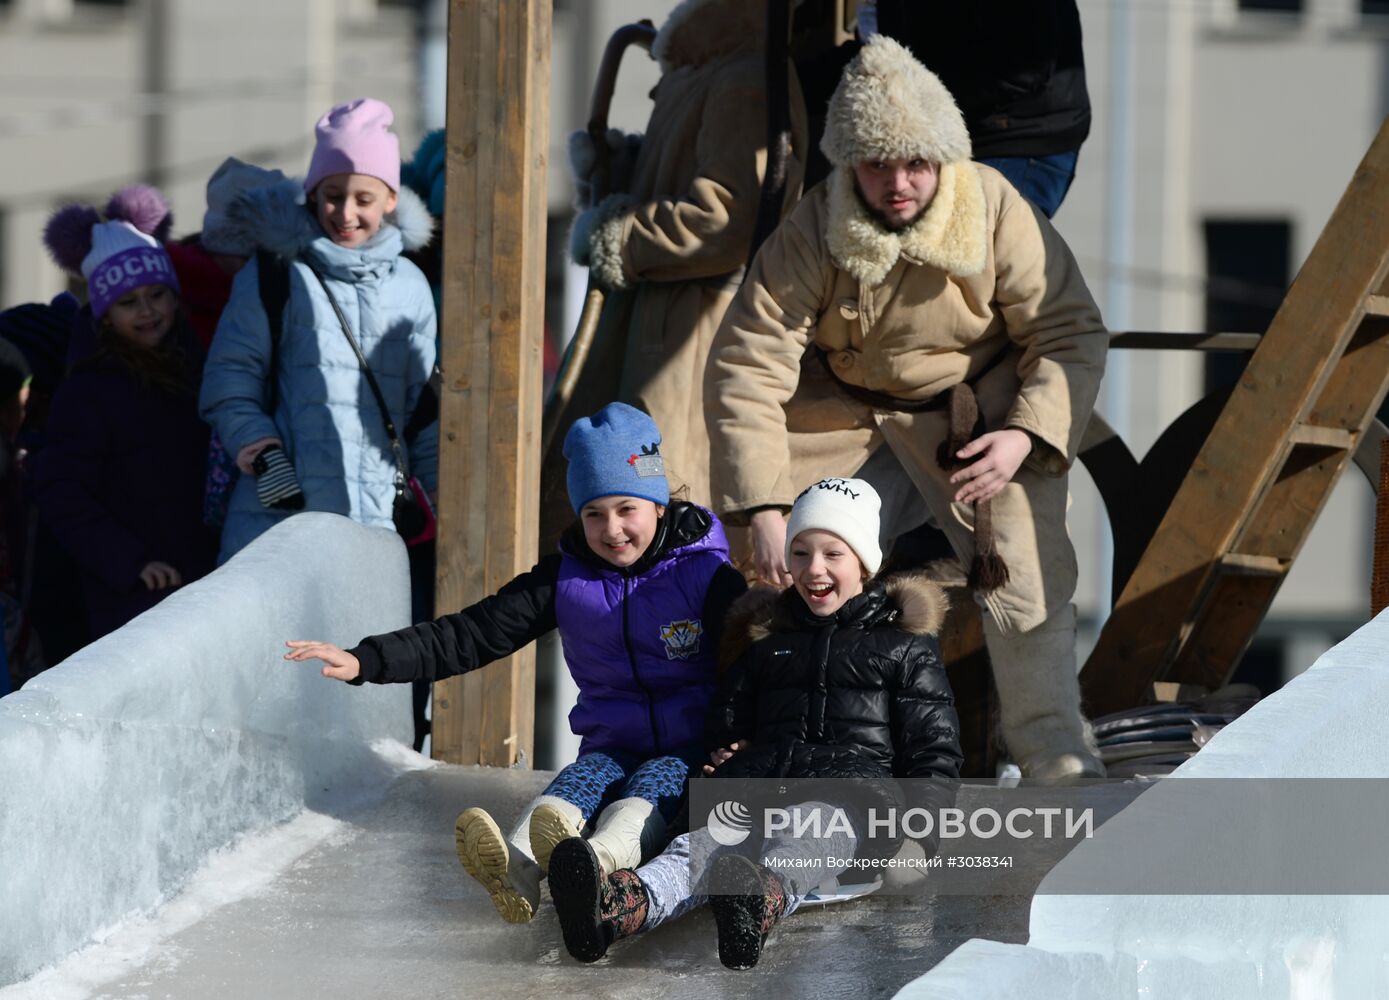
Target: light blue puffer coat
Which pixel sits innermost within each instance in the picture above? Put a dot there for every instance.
(326, 414)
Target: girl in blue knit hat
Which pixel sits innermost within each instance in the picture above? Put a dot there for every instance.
(638, 591)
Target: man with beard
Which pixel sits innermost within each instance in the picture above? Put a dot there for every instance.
(908, 271)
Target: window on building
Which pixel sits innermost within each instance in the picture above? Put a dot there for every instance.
(1374, 8)
(1279, 6)
(1248, 269)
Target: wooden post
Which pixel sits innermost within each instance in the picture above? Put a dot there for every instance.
(491, 332)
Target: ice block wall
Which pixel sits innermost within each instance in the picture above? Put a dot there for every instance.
(122, 767)
(1329, 722)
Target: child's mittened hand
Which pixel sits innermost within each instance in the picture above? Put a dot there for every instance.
(723, 753)
(276, 484)
(337, 663)
(160, 576)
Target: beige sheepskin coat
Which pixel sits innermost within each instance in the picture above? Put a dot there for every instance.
(981, 289)
(673, 247)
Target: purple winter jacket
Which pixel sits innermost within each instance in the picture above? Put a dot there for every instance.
(641, 643)
(636, 644)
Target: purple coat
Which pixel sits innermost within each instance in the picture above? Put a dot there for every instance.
(640, 642)
(637, 646)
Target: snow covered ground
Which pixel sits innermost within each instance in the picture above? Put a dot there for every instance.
(371, 902)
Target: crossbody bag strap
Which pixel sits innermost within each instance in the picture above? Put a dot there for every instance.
(401, 463)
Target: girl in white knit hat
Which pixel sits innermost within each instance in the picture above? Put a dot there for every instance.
(838, 676)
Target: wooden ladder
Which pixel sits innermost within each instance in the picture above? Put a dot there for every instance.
(1203, 584)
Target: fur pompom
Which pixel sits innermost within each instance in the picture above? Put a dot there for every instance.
(68, 235)
(145, 208)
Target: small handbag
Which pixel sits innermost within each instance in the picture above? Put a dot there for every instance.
(411, 511)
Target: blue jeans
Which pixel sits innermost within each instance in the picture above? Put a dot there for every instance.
(1042, 180)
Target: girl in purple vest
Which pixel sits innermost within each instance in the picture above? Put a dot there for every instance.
(638, 591)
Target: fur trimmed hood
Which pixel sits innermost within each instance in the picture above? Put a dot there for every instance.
(888, 106)
(276, 218)
(919, 604)
(952, 234)
(700, 31)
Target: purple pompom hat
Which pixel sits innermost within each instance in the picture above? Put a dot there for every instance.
(120, 254)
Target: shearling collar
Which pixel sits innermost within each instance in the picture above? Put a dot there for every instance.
(951, 234)
(700, 31)
(275, 217)
(918, 603)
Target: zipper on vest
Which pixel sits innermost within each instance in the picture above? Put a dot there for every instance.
(636, 676)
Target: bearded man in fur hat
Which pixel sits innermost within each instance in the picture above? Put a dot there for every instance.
(908, 271)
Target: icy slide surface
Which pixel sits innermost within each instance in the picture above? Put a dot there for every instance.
(122, 768)
(378, 907)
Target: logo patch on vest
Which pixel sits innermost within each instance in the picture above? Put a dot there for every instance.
(682, 638)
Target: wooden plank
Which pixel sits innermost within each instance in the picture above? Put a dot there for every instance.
(1245, 450)
(494, 280)
(1243, 564)
(1323, 437)
(1223, 630)
(1147, 341)
(1377, 305)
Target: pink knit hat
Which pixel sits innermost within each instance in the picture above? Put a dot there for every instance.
(353, 138)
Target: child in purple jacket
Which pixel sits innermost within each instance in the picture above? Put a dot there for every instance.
(638, 592)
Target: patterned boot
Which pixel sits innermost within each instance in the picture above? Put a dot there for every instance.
(747, 902)
(594, 910)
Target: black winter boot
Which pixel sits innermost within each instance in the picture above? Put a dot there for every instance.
(594, 910)
(747, 903)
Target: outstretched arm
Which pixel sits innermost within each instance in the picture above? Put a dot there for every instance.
(494, 627)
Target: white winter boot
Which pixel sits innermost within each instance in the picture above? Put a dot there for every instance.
(1039, 698)
(552, 819)
(510, 877)
(625, 831)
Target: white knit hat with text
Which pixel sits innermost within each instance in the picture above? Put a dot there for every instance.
(846, 507)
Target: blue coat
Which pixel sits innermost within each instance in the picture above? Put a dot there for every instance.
(326, 415)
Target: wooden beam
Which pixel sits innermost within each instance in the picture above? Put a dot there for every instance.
(494, 281)
(1323, 362)
(1146, 341)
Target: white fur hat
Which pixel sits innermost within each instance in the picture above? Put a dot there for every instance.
(888, 107)
(845, 507)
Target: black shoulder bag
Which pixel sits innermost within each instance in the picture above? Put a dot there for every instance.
(413, 515)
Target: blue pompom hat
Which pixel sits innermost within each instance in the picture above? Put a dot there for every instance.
(615, 452)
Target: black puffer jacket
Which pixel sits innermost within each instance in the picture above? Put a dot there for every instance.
(860, 694)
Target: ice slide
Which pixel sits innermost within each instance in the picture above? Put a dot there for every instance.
(182, 814)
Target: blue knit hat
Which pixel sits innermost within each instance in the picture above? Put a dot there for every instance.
(615, 452)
